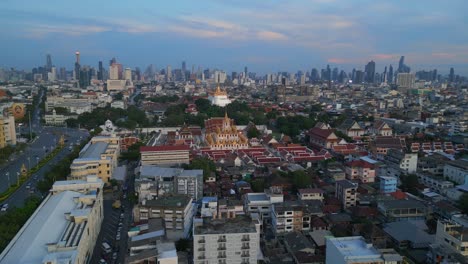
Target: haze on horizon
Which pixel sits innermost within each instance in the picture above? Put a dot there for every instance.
(267, 36)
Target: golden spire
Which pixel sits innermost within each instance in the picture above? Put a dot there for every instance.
(225, 115)
(218, 89)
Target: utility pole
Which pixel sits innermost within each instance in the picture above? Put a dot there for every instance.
(8, 175)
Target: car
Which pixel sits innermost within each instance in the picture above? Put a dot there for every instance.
(4, 208)
(117, 237)
(28, 186)
(121, 215)
(114, 255)
(102, 261)
(120, 224)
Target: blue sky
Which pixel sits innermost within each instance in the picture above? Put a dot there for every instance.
(265, 35)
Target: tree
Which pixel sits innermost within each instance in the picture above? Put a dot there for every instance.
(253, 132)
(118, 96)
(300, 179)
(71, 122)
(61, 110)
(410, 183)
(182, 244)
(463, 203)
(204, 164)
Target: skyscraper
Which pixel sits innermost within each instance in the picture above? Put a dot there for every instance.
(77, 54)
(402, 67)
(168, 73)
(115, 71)
(390, 74)
(245, 72)
(48, 62)
(452, 75)
(128, 74)
(384, 75)
(335, 74)
(100, 71)
(77, 67)
(370, 72)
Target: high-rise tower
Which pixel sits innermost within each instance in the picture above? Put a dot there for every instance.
(77, 54)
(48, 62)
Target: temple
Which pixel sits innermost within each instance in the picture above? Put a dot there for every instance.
(219, 98)
(222, 134)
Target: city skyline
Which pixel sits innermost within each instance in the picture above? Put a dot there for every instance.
(268, 37)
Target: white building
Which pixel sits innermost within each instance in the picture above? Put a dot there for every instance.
(351, 250)
(261, 203)
(346, 192)
(7, 131)
(456, 170)
(451, 235)
(54, 119)
(219, 98)
(229, 240)
(63, 229)
(405, 80)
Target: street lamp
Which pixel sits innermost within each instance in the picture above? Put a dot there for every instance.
(37, 160)
(29, 163)
(17, 177)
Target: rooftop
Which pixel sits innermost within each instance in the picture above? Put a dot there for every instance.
(355, 248)
(347, 184)
(47, 225)
(239, 224)
(402, 204)
(164, 148)
(94, 151)
(171, 201)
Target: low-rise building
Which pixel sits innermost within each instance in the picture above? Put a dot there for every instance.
(7, 131)
(63, 229)
(453, 236)
(228, 240)
(153, 181)
(310, 194)
(351, 128)
(294, 215)
(99, 157)
(438, 184)
(361, 170)
(165, 155)
(54, 119)
(456, 170)
(388, 184)
(346, 192)
(402, 210)
(261, 203)
(351, 250)
(176, 210)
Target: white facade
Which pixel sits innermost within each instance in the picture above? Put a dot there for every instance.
(456, 171)
(63, 229)
(219, 100)
(229, 241)
(261, 203)
(451, 235)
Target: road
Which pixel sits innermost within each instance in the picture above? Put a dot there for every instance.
(47, 139)
(110, 224)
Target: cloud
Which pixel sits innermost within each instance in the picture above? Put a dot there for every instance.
(339, 60)
(39, 31)
(270, 35)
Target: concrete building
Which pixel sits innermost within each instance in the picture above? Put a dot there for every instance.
(294, 216)
(361, 170)
(406, 80)
(451, 235)
(153, 181)
(404, 162)
(351, 250)
(63, 229)
(310, 194)
(7, 131)
(261, 203)
(388, 184)
(99, 157)
(228, 240)
(346, 192)
(165, 155)
(456, 171)
(402, 210)
(54, 119)
(176, 210)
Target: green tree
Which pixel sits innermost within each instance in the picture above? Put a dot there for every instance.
(463, 203)
(253, 132)
(410, 183)
(61, 110)
(72, 122)
(118, 96)
(202, 163)
(301, 179)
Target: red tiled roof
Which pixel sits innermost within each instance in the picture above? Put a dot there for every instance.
(399, 195)
(322, 133)
(360, 163)
(164, 148)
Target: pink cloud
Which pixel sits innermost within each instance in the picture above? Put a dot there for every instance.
(270, 35)
(443, 55)
(382, 56)
(338, 60)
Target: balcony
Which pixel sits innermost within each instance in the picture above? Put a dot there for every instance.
(201, 257)
(245, 247)
(201, 249)
(202, 241)
(221, 239)
(222, 248)
(221, 256)
(245, 239)
(245, 255)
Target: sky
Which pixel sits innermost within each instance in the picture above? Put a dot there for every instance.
(264, 35)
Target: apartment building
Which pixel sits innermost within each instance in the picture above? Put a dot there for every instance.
(453, 236)
(346, 192)
(165, 155)
(261, 203)
(99, 157)
(228, 241)
(456, 170)
(7, 131)
(406, 162)
(176, 210)
(361, 170)
(63, 229)
(388, 184)
(154, 181)
(438, 184)
(294, 215)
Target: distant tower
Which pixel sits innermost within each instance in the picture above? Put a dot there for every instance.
(77, 54)
(452, 75)
(48, 62)
(370, 72)
(128, 74)
(169, 73)
(390, 74)
(100, 71)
